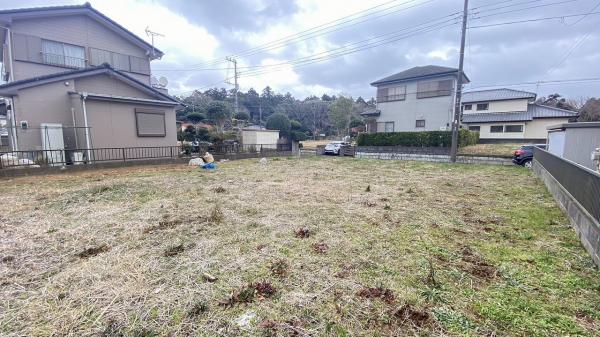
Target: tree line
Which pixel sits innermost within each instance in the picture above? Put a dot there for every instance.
(296, 119)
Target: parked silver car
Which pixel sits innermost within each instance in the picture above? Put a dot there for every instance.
(334, 147)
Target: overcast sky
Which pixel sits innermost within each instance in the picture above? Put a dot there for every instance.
(198, 34)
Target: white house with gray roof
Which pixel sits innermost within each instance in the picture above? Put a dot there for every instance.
(417, 99)
(506, 115)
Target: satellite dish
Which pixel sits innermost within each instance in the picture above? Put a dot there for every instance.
(153, 81)
(163, 81)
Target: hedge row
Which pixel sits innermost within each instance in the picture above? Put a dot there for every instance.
(418, 139)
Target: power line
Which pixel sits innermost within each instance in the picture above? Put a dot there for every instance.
(305, 31)
(286, 42)
(456, 13)
(308, 60)
(325, 28)
(532, 20)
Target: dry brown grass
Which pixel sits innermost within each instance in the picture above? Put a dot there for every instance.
(490, 150)
(312, 144)
(151, 235)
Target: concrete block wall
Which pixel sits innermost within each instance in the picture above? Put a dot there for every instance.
(433, 158)
(587, 228)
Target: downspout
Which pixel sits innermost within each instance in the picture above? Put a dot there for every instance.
(11, 78)
(13, 132)
(74, 128)
(86, 126)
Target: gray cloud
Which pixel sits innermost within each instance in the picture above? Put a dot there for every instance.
(495, 55)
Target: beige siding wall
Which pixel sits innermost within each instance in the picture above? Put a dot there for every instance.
(79, 30)
(113, 125)
(536, 129)
(104, 84)
(44, 104)
(502, 106)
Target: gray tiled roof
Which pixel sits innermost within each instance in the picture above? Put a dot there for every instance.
(370, 112)
(533, 111)
(495, 95)
(103, 68)
(418, 72)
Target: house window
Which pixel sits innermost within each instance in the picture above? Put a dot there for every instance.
(434, 88)
(150, 123)
(420, 123)
(474, 128)
(513, 128)
(468, 107)
(385, 127)
(497, 128)
(116, 60)
(483, 106)
(63, 54)
(391, 94)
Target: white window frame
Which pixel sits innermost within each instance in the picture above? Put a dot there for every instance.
(487, 106)
(62, 60)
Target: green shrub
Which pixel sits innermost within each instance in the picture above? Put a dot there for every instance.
(298, 136)
(417, 139)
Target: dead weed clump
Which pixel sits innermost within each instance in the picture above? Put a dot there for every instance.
(93, 251)
(174, 250)
(320, 248)
(216, 215)
(250, 292)
(162, 225)
(271, 327)
(408, 315)
(384, 294)
(198, 309)
(280, 268)
(302, 233)
(476, 265)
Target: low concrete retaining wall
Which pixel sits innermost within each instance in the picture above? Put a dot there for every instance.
(30, 171)
(433, 158)
(586, 226)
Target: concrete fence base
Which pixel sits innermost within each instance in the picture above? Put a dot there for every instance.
(587, 228)
(433, 158)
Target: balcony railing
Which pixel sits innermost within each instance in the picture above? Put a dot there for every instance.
(63, 61)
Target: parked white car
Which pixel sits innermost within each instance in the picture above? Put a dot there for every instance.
(334, 147)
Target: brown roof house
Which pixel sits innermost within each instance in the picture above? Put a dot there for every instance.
(78, 82)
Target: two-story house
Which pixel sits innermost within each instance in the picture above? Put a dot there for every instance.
(506, 115)
(417, 99)
(78, 80)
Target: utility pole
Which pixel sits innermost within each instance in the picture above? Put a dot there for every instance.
(235, 83)
(259, 113)
(457, 105)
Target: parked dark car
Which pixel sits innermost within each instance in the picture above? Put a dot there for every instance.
(524, 155)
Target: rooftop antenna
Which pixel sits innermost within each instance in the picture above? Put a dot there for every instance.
(152, 34)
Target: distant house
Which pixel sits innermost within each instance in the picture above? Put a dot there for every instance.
(77, 79)
(260, 136)
(417, 99)
(506, 115)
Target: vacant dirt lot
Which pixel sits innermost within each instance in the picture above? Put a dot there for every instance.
(299, 247)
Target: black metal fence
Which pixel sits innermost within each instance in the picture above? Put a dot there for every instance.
(39, 158)
(582, 183)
